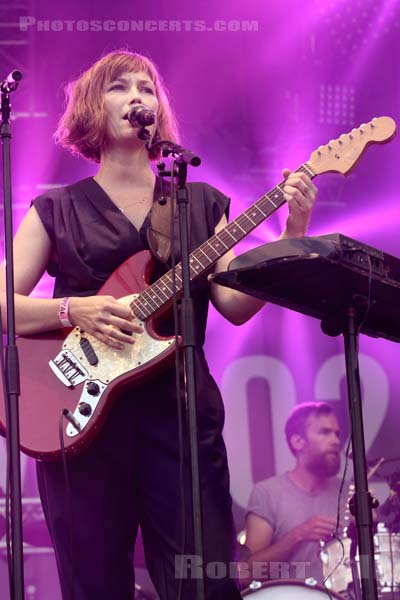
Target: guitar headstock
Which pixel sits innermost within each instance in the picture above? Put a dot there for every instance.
(341, 155)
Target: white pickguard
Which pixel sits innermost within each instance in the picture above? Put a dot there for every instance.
(112, 362)
(72, 367)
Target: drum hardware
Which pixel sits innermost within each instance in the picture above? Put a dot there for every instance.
(389, 512)
(387, 561)
(337, 555)
(287, 589)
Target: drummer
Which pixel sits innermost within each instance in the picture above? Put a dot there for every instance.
(288, 514)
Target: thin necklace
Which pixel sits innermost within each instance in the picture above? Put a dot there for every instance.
(136, 203)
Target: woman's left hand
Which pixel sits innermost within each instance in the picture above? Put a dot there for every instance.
(300, 194)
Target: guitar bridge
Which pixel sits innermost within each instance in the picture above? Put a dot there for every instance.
(68, 369)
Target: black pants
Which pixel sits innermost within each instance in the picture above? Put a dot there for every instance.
(128, 476)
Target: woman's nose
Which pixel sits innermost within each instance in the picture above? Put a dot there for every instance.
(135, 96)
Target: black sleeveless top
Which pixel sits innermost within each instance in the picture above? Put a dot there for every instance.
(91, 237)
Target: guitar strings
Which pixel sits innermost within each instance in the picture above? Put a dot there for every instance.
(141, 305)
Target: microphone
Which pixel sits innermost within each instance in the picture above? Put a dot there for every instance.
(10, 83)
(141, 116)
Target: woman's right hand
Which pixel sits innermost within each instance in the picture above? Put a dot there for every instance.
(105, 318)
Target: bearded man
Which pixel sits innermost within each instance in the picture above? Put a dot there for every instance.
(289, 514)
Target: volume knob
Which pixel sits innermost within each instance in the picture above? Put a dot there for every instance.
(93, 388)
(85, 409)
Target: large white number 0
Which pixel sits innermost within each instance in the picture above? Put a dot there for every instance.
(236, 433)
(375, 396)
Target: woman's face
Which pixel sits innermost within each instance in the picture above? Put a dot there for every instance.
(120, 95)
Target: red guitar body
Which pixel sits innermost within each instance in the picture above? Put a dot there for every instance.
(44, 396)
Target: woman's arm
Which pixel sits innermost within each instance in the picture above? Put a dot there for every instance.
(300, 194)
(32, 248)
(102, 316)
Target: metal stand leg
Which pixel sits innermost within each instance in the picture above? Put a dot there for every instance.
(362, 502)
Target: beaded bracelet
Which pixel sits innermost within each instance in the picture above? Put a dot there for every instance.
(63, 313)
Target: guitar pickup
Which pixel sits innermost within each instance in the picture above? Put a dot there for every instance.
(88, 351)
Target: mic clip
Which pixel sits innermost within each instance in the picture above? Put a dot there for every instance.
(144, 134)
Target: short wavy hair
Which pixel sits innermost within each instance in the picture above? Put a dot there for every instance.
(297, 420)
(82, 127)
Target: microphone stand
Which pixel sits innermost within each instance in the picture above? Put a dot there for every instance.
(362, 503)
(189, 344)
(11, 375)
(183, 158)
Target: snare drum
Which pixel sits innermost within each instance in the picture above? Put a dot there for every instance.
(287, 589)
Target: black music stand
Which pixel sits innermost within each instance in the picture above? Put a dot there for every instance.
(350, 287)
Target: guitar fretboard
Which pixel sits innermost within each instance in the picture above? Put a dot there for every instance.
(161, 292)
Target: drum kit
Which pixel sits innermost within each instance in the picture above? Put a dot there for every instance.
(339, 583)
(387, 564)
(287, 590)
(340, 560)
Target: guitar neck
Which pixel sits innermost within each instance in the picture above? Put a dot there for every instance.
(161, 292)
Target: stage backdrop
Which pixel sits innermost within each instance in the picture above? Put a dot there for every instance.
(257, 87)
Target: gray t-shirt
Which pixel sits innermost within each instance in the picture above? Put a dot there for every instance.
(284, 505)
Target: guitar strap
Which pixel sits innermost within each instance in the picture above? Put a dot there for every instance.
(162, 220)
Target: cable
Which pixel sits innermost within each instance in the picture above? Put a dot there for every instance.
(10, 551)
(68, 495)
(367, 309)
(338, 513)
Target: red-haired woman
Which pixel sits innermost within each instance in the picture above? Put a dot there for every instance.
(129, 475)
